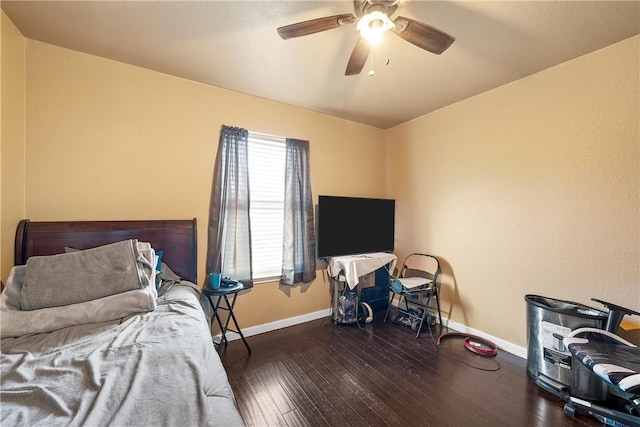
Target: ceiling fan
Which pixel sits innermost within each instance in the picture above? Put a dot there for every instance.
(373, 20)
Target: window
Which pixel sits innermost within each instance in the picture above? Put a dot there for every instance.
(261, 223)
(266, 156)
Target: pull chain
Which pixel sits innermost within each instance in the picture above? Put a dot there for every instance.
(371, 71)
(386, 42)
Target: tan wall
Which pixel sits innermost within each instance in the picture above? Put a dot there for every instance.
(12, 142)
(531, 188)
(106, 140)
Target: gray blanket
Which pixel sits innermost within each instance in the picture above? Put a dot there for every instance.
(74, 277)
(15, 322)
(153, 369)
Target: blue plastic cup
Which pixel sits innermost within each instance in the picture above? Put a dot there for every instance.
(214, 280)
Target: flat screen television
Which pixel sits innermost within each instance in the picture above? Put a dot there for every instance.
(354, 225)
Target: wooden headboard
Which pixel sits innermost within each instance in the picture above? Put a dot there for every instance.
(176, 238)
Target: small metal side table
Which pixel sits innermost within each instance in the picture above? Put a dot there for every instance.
(228, 296)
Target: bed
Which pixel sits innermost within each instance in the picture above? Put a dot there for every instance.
(77, 364)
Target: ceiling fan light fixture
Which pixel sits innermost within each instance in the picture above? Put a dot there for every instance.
(373, 25)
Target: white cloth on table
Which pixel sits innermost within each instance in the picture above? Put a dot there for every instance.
(355, 266)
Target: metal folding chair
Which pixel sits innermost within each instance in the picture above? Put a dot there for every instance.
(414, 288)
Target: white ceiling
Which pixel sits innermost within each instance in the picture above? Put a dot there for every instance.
(234, 45)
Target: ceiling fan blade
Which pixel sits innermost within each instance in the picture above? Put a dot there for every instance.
(315, 25)
(422, 35)
(358, 57)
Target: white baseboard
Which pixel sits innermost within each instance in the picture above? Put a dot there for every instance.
(278, 324)
(502, 344)
(291, 321)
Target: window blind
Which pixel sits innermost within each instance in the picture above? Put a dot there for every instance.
(266, 212)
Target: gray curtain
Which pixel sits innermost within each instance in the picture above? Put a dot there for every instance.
(229, 232)
(299, 257)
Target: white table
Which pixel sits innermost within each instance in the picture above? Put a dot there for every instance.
(355, 266)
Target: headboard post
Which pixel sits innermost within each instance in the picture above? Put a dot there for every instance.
(18, 250)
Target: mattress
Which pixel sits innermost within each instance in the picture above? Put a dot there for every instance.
(155, 368)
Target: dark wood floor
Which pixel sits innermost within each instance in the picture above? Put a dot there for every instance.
(320, 374)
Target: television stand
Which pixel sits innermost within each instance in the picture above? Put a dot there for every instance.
(345, 272)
